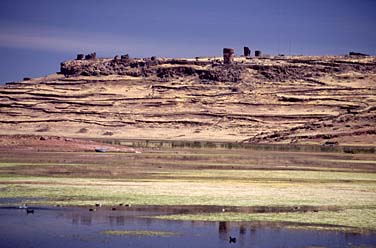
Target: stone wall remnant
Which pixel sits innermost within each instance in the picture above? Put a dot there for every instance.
(247, 52)
(228, 55)
(80, 56)
(358, 54)
(125, 57)
(91, 55)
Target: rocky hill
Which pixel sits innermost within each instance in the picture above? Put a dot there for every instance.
(323, 100)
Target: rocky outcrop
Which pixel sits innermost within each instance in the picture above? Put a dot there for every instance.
(152, 67)
(295, 69)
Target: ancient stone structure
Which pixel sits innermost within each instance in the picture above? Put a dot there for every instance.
(358, 54)
(125, 57)
(80, 57)
(247, 52)
(228, 55)
(91, 56)
(257, 53)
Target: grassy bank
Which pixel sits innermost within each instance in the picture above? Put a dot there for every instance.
(354, 220)
(140, 233)
(187, 177)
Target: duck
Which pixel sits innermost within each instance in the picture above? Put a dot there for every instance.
(29, 211)
(232, 240)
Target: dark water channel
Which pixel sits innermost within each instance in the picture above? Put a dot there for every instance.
(78, 227)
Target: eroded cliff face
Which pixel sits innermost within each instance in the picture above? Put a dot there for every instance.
(260, 100)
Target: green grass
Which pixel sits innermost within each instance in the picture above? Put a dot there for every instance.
(348, 219)
(140, 233)
(203, 187)
(136, 183)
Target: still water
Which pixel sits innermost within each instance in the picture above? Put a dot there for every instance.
(78, 227)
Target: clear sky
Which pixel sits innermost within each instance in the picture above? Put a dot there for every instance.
(36, 35)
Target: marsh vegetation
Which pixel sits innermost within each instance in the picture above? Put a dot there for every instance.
(329, 190)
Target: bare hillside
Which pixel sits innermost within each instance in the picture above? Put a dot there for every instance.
(323, 100)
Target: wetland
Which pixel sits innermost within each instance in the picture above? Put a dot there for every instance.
(189, 196)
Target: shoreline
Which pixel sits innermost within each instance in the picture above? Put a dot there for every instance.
(191, 213)
(41, 142)
(202, 184)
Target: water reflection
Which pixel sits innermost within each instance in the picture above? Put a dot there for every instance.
(81, 220)
(81, 228)
(242, 229)
(223, 230)
(117, 220)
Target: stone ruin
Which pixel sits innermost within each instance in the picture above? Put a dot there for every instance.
(124, 57)
(247, 52)
(205, 70)
(228, 55)
(91, 56)
(151, 67)
(80, 57)
(358, 54)
(208, 70)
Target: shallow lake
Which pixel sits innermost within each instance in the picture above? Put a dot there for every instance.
(78, 227)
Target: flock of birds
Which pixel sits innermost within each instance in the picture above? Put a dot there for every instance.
(29, 210)
(99, 205)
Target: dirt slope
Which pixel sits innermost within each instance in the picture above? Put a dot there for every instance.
(260, 100)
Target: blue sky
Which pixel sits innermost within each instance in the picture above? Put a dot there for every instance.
(35, 36)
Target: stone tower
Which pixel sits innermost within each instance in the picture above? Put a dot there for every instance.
(228, 55)
(247, 52)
